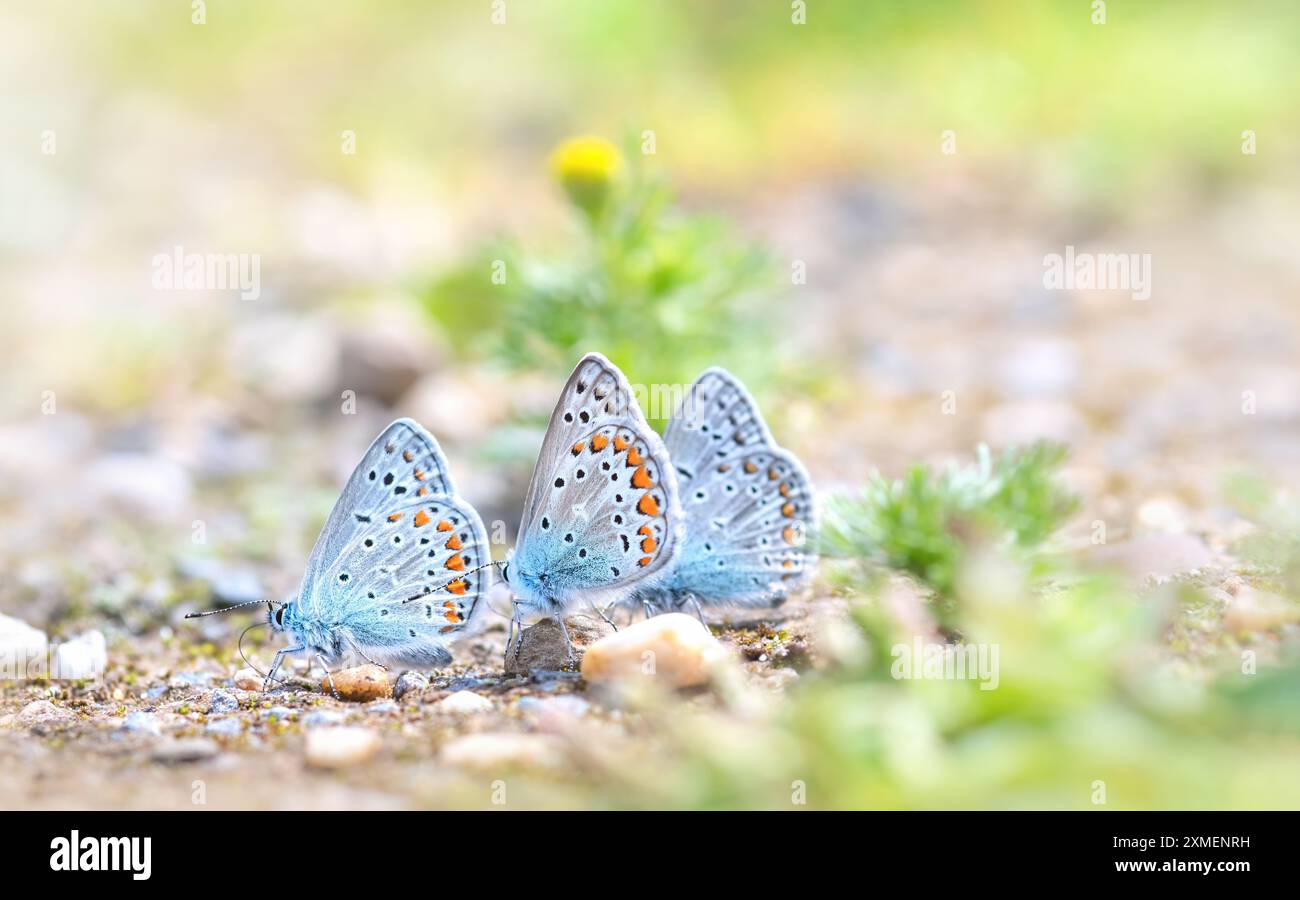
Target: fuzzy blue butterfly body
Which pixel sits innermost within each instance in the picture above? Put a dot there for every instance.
(748, 504)
(602, 516)
(398, 568)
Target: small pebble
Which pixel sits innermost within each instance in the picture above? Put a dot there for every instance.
(340, 747)
(382, 706)
(248, 680)
(227, 727)
(43, 712)
(359, 683)
(186, 750)
(222, 702)
(141, 722)
(490, 752)
(464, 703)
(672, 651)
(409, 682)
(279, 713)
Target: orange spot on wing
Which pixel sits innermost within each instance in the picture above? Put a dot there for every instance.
(422, 492)
(644, 561)
(791, 536)
(447, 629)
(785, 489)
(633, 457)
(420, 475)
(421, 519)
(648, 545)
(725, 467)
(772, 475)
(457, 563)
(648, 505)
(641, 478)
(395, 516)
(452, 616)
(620, 443)
(444, 525)
(458, 586)
(450, 604)
(599, 443)
(577, 448)
(750, 468)
(646, 530)
(788, 510)
(789, 564)
(408, 455)
(453, 542)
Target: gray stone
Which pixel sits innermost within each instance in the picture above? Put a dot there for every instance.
(222, 702)
(279, 713)
(410, 682)
(543, 644)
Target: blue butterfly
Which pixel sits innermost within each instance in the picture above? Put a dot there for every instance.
(749, 504)
(399, 567)
(601, 517)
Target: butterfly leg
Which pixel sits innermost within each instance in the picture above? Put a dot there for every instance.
(604, 614)
(515, 636)
(362, 654)
(568, 643)
(275, 665)
(699, 612)
(329, 676)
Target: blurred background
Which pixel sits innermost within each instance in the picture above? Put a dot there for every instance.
(848, 204)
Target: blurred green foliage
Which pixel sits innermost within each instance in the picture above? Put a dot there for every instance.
(1162, 90)
(1090, 707)
(923, 523)
(662, 293)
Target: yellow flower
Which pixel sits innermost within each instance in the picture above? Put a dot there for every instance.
(586, 166)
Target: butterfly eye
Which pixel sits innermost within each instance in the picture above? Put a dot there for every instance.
(279, 616)
(505, 573)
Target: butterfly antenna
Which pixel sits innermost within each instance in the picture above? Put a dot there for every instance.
(470, 572)
(213, 612)
(248, 662)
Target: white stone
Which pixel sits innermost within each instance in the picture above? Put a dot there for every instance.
(340, 747)
(491, 752)
(85, 656)
(670, 651)
(248, 680)
(464, 703)
(20, 641)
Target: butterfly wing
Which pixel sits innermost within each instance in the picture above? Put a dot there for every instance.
(749, 504)
(715, 418)
(747, 520)
(403, 462)
(601, 514)
(403, 561)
